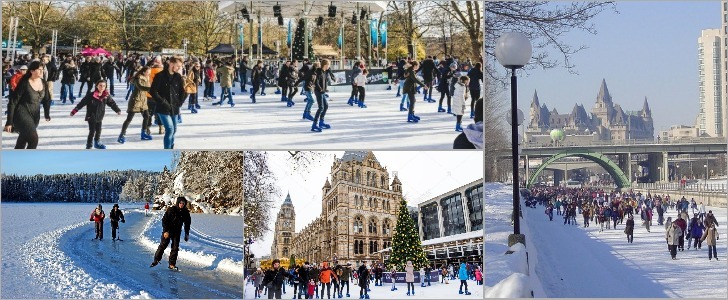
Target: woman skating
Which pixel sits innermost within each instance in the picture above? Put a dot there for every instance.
(320, 87)
(24, 107)
(96, 102)
(409, 89)
(138, 104)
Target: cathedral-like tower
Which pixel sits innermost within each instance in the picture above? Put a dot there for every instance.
(284, 230)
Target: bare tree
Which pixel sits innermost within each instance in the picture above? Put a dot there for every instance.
(259, 190)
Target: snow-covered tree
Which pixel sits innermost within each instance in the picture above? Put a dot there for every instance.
(260, 190)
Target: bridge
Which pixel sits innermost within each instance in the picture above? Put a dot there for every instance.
(657, 157)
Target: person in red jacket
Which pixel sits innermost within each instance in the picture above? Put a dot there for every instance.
(98, 216)
(683, 226)
(146, 209)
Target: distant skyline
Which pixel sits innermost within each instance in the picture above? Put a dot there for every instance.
(82, 161)
(424, 175)
(648, 49)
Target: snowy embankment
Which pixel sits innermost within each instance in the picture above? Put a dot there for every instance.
(268, 124)
(508, 275)
(573, 261)
(207, 251)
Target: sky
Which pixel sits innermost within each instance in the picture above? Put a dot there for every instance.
(424, 175)
(65, 162)
(647, 49)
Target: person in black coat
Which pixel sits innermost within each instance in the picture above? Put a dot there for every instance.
(476, 76)
(110, 69)
(168, 95)
(446, 75)
(364, 275)
(24, 106)
(97, 102)
(69, 73)
(292, 81)
(320, 87)
(409, 89)
(256, 79)
(175, 218)
(243, 69)
(428, 73)
(94, 73)
(303, 277)
(283, 80)
(273, 279)
(115, 216)
(83, 70)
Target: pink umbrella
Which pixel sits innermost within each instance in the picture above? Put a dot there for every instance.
(101, 51)
(87, 52)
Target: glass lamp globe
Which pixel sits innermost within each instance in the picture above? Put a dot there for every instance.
(513, 50)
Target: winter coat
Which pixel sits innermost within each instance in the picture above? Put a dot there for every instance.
(711, 235)
(476, 76)
(283, 76)
(69, 73)
(478, 275)
(410, 273)
(696, 228)
(138, 99)
(173, 220)
(210, 75)
(94, 72)
(428, 68)
(326, 275)
(673, 235)
(22, 107)
(96, 106)
(410, 81)
(321, 85)
(360, 80)
(97, 215)
(363, 276)
(84, 71)
(292, 78)
(109, 69)
(378, 271)
(275, 277)
(460, 99)
(682, 223)
(226, 76)
(168, 92)
(258, 278)
(302, 274)
(257, 75)
(115, 215)
(629, 227)
(463, 272)
(345, 274)
(314, 274)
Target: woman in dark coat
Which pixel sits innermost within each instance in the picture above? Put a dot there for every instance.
(97, 102)
(94, 73)
(629, 229)
(476, 76)
(24, 107)
(364, 274)
(409, 88)
(83, 78)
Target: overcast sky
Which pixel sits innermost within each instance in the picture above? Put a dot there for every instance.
(423, 174)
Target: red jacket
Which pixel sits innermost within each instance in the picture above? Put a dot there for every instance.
(680, 222)
(98, 217)
(146, 206)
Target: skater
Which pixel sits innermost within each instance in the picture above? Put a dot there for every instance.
(428, 269)
(357, 70)
(478, 276)
(273, 279)
(320, 87)
(629, 229)
(168, 93)
(711, 235)
(422, 277)
(24, 105)
(69, 73)
(408, 89)
(210, 78)
(97, 102)
(98, 216)
(256, 79)
(243, 76)
(476, 77)
(326, 277)
(226, 72)
(310, 289)
(258, 282)
(192, 81)
(446, 74)
(696, 232)
(303, 280)
(364, 274)
(393, 276)
(680, 221)
(672, 235)
(445, 275)
(292, 82)
(409, 278)
(146, 209)
(175, 219)
(463, 276)
(360, 83)
(429, 70)
(115, 216)
(344, 280)
(138, 105)
(461, 95)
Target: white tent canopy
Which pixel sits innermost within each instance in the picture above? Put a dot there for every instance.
(296, 8)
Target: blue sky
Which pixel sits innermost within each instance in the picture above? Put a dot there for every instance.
(647, 49)
(61, 162)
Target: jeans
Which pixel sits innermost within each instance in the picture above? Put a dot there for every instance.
(170, 127)
(262, 87)
(193, 99)
(323, 106)
(243, 80)
(129, 90)
(344, 282)
(309, 101)
(67, 89)
(712, 252)
(226, 93)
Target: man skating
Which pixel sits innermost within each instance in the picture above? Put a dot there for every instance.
(174, 218)
(115, 215)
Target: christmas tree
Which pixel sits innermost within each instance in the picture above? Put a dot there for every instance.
(292, 261)
(406, 243)
(298, 43)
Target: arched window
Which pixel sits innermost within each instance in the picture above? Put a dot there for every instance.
(373, 247)
(358, 225)
(387, 227)
(361, 247)
(356, 200)
(369, 175)
(285, 251)
(374, 180)
(286, 240)
(370, 202)
(384, 182)
(384, 205)
(373, 226)
(376, 203)
(358, 177)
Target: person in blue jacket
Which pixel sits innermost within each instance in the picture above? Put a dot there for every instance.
(463, 276)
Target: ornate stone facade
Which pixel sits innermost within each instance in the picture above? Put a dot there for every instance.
(358, 212)
(608, 121)
(284, 230)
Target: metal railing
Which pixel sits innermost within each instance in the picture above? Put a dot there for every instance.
(623, 143)
(674, 186)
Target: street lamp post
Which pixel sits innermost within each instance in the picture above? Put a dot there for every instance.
(513, 50)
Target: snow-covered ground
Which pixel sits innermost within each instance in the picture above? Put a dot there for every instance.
(268, 124)
(49, 252)
(572, 261)
(436, 291)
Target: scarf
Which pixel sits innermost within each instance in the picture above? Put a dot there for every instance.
(101, 96)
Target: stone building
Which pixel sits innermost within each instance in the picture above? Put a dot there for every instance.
(358, 213)
(607, 121)
(284, 230)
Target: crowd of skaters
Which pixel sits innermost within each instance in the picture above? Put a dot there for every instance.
(610, 209)
(316, 281)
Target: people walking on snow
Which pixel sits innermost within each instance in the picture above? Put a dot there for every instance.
(711, 235)
(672, 235)
(96, 102)
(680, 221)
(98, 216)
(696, 232)
(146, 209)
(115, 216)
(175, 219)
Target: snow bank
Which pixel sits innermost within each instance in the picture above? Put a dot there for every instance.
(515, 286)
(217, 254)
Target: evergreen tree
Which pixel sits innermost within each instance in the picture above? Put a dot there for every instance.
(292, 261)
(406, 244)
(298, 43)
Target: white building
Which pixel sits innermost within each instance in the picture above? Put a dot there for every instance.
(711, 118)
(679, 132)
(724, 9)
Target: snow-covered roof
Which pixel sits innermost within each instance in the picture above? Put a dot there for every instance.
(452, 238)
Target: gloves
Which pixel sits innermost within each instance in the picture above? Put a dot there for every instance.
(73, 112)
(123, 221)
(91, 219)
(165, 235)
(187, 237)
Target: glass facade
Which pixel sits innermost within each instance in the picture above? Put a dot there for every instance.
(475, 207)
(430, 226)
(453, 219)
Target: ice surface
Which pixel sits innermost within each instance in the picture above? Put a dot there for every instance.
(269, 124)
(572, 261)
